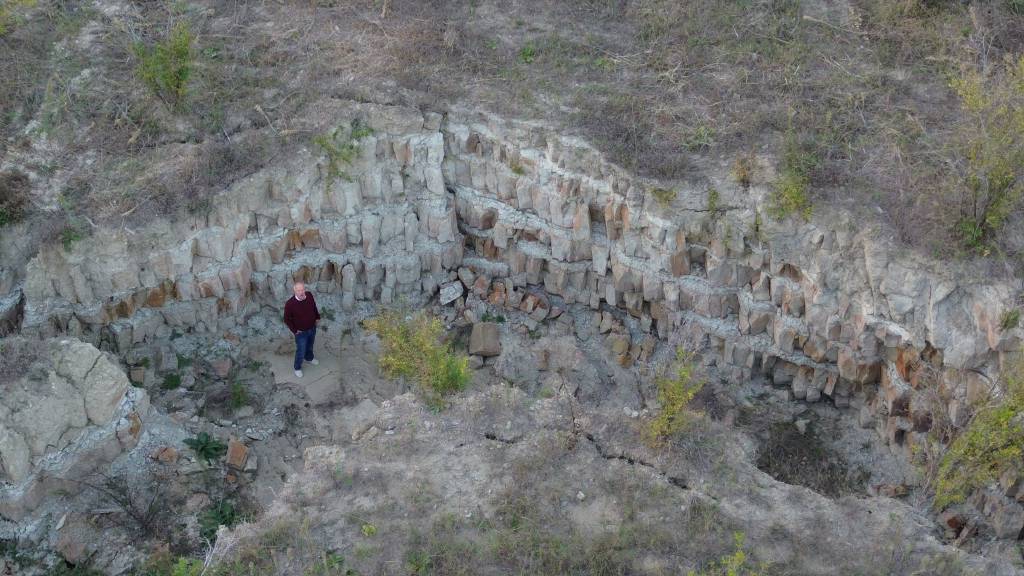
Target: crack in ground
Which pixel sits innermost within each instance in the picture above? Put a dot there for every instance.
(496, 438)
(676, 481)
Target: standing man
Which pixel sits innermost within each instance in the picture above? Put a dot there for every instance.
(300, 314)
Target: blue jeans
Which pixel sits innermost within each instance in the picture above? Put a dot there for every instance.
(304, 346)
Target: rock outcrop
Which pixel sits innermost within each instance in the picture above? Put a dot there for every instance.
(828, 311)
(71, 414)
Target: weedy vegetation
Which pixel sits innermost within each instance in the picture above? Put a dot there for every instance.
(207, 447)
(166, 67)
(990, 445)
(412, 348)
(677, 386)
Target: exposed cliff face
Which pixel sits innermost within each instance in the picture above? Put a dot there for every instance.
(823, 308)
(72, 415)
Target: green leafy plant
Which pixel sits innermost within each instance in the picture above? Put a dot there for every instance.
(1010, 319)
(791, 195)
(700, 137)
(206, 447)
(368, 530)
(239, 395)
(713, 199)
(735, 564)
(340, 147)
(528, 53)
(330, 563)
(220, 514)
(411, 347)
(676, 389)
(991, 444)
(991, 173)
(663, 196)
(165, 68)
(69, 235)
(171, 381)
(488, 317)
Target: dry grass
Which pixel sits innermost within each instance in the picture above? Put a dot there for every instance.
(657, 84)
(17, 356)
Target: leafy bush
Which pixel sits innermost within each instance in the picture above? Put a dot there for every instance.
(713, 200)
(171, 381)
(340, 149)
(69, 235)
(991, 170)
(239, 395)
(167, 66)
(992, 443)
(735, 564)
(1010, 319)
(206, 447)
(676, 389)
(699, 138)
(488, 317)
(220, 514)
(664, 196)
(411, 347)
(528, 53)
(791, 194)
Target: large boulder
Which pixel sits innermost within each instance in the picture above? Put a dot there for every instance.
(485, 339)
(68, 409)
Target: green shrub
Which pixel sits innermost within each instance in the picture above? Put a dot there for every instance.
(991, 150)
(411, 347)
(792, 189)
(171, 381)
(1010, 319)
(664, 196)
(206, 447)
(239, 395)
(676, 389)
(700, 137)
(528, 53)
(69, 235)
(220, 514)
(167, 66)
(713, 200)
(992, 443)
(735, 564)
(488, 317)
(340, 149)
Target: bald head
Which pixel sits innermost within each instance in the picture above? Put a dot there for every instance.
(300, 290)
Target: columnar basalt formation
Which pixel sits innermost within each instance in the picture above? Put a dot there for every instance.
(68, 417)
(828, 311)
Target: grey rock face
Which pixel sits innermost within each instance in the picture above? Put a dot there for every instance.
(825, 308)
(76, 410)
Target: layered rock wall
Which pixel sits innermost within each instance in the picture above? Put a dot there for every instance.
(825, 309)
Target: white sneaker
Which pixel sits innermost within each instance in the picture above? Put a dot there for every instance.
(298, 373)
(314, 361)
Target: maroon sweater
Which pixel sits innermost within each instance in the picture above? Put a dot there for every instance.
(300, 316)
